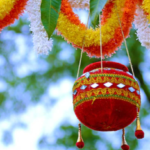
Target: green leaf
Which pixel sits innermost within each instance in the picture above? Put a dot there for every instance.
(96, 7)
(49, 15)
(2, 98)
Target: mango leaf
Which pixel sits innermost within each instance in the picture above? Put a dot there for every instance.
(49, 15)
(96, 7)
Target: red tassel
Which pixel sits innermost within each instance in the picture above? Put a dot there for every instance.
(80, 144)
(139, 134)
(125, 147)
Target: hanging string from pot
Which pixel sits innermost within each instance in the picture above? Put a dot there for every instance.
(125, 42)
(101, 49)
(80, 142)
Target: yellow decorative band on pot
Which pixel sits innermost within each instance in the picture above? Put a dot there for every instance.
(107, 93)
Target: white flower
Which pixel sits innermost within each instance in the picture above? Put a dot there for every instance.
(143, 28)
(40, 38)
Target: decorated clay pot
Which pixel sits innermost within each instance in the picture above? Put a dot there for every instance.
(107, 99)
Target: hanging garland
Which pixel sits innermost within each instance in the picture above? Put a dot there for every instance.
(40, 38)
(143, 29)
(10, 10)
(73, 30)
(5, 7)
(70, 27)
(146, 8)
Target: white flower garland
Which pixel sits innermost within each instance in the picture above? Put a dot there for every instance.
(143, 28)
(79, 3)
(40, 39)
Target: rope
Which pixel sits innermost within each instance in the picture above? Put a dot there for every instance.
(123, 131)
(127, 50)
(82, 51)
(82, 48)
(101, 50)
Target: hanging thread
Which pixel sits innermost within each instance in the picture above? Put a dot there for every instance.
(82, 47)
(101, 49)
(125, 44)
(82, 51)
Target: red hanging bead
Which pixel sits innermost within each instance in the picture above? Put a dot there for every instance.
(139, 134)
(125, 147)
(80, 144)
